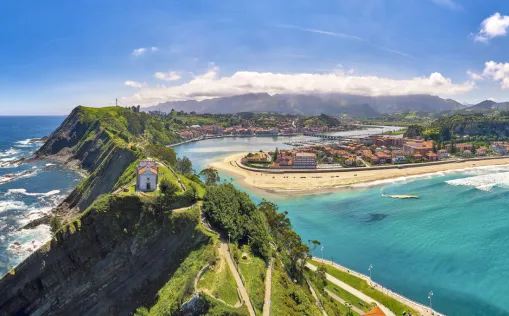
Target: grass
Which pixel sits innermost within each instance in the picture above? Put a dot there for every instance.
(180, 287)
(289, 298)
(349, 297)
(254, 277)
(220, 283)
(362, 285)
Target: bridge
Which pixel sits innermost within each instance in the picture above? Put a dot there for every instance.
(323, 136)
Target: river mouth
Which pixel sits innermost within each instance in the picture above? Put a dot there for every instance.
(448, 240)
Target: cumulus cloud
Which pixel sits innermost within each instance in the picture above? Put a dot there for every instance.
(142, 50)
(493, 26)
(168, 76)
(211, 85)
(497, 72)
(475, 76)
(134, 84)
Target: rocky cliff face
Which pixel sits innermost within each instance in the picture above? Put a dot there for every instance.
(88, 146)
(108, 262)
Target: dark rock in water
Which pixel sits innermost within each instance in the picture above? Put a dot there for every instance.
(376, 217)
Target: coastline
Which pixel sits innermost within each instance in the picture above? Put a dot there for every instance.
(312, 182)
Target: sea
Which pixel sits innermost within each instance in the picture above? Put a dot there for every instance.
(27, 191)
(451, 241)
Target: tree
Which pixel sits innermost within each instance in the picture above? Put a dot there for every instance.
(321, 277)
(434, 149)
(312, 245)
(276, 153)
(184, 166)
(211, 176)
(228, 209)
(54, 224)
(167, 187)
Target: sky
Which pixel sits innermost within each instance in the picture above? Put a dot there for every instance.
(58, 54)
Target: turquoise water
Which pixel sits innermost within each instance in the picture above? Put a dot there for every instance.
(452, 240)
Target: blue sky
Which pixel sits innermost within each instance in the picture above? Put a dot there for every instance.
(59, 54)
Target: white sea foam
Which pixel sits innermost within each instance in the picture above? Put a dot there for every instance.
(481, 170)
(484, 182)
(50, 164)
(12, 205)
(26, 241)
(9, 152)
(8, 159)
(24, 192)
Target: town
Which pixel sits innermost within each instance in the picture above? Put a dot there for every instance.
(370, 151)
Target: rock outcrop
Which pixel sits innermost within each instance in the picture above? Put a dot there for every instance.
(88, 146)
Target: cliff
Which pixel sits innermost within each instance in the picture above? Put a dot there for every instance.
(112, 259)
(99, 142)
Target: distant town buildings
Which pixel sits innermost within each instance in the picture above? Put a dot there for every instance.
(304, 160)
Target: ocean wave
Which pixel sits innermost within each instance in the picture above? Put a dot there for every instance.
(25, 241)
(24, 192)
(483, 170)
(14, 176)
(9, 152)
(484, 182)
(12, 205)
(8, 159)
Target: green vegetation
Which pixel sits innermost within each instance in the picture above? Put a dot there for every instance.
(233, 212)
(363, 286)
(211, 176)
(220, 283)
(54, 224)
(289, 297)
(253, 270)
(181, 286)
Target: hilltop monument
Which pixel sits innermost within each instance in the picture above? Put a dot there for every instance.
(147, 176)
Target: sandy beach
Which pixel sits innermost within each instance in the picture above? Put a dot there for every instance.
(306, 182)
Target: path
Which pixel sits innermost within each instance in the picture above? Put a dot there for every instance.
(352, 290)
(268, 290)
(318, 303)
(223, 251)
(342, 301)
(418, 307)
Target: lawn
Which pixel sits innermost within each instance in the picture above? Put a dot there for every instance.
(349, 297)
(254, 277)
(220, 283)
(363, 286)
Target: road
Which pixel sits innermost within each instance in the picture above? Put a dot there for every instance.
(352, 290)
(268, 290)
(342, 301)
(223, 251)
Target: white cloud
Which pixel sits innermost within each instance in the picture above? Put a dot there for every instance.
(448, 4)
(492, 99)
(475, 76)
(142, 50)
(345, 36)
(134, 84)
(498, 72)
(211, 85)
(168, 76)
(494, 26)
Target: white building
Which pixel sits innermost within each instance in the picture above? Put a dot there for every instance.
(147, 176)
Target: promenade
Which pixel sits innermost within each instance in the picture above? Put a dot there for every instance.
(422, 309)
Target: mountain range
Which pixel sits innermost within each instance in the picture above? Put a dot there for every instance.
(313, 104)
